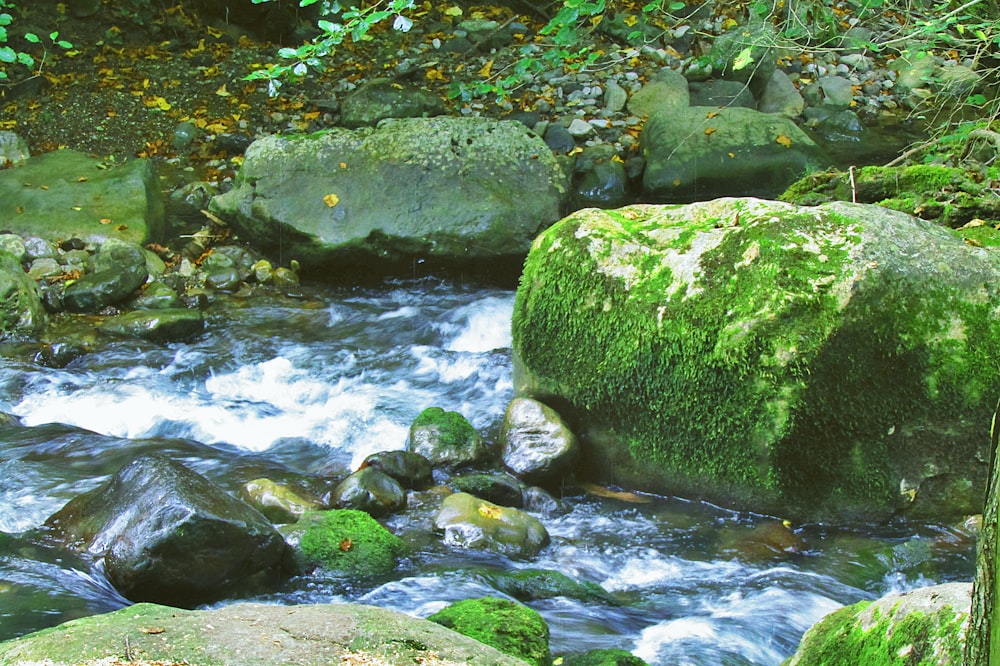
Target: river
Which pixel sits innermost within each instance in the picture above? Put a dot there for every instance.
(307, 386)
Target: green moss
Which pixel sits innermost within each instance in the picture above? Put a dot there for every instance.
(609, 657)
(349, 541)
(917, 639)
(508, 626)
(454, 430)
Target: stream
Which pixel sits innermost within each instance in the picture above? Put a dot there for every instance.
(306, 387)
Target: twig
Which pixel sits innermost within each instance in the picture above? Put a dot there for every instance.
(854, 188)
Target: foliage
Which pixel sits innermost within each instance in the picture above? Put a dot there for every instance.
(9, 56)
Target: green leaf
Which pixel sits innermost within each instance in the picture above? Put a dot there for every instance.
(32, 37)
(977, 100)
(287, 53)
(7, 54)
(676, 6)
(743, 58)
(26, 60)
(6, 19)
(64, 44)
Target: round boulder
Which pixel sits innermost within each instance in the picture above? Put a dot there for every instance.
(537, 444)
(470, 522)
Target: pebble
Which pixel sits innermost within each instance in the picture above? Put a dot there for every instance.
(580, 128)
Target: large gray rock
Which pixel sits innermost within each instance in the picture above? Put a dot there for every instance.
(449, 191)
(21, 310)
(67, 194)
(259, 634)
(383, 98)
(924, 626)
(469, 522)
(537, 444)
(835, 360)
(169, 535)
(703, 152)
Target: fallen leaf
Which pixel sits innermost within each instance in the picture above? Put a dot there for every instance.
(331, 200)
(343, 165)
(82, 179)
(215, 32)
(709, 131)
(152, 630)
(454, 10)
(222, 92)
(486, 69)
(346, 544)
(121, 227)
(783, 140)
(105, 220)
(711, 114)
(489, 511)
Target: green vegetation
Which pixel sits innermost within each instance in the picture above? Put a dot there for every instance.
(506, 625)
(10, 56)
(350, 542)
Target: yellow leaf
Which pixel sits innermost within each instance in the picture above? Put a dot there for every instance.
(631, 20)
(709, 131)
(487, 68)
(490, 511)
(105, 220)
(157, 103)
(121, 227)
(454, 10)
(215, 32)
(331, 200)
(711, 114)
(783, 140)
(343, 165)
(222, 92)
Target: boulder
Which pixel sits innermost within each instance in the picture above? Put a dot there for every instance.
(249, 633)
(537, 584)
(470, 522)
(13, 150)
(537, 446)
(21, 310)
(602, 657)
(667, 89)
(278, 502)
(166, 325)
(924, 626)
(503, 624)
(438, 192)
(411, 470)
(445, 438)
(348, 542)
(379, 99)
(702, 152)
(497, 487)
(67, 194)
(169, 535)
(118, 270)
(371, 491)
(780, 96)
(834, 360)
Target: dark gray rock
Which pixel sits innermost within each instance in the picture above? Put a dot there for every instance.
(119, 269)
(369, 490)
(379, 99)
(411, 470)
(159, 325)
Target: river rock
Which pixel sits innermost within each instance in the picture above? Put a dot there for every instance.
(13, 149)
(258, 634)
(830, 91)
(165, 325)
(469, 522)
(157, 296)
(445, 438)
(705, 152)
(410, 469)
(603, 185)
(537, 445)
(444, 191)
(538, 584)
(169, 535)
(506, 625)
(721, 92)
(830, 360)
(602, 657)
(67, 194)
(497, 487)
(277, 501)
(21, 309)
(924, 626)
(379, 99)
(371, 491)
(780, 96)
(348, 542)
(667, 89)
(119, 269)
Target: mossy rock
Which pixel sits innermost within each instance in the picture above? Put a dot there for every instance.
(535, 584)
(946, 195)
(445, 438)
(349, 542)
(924, 627)
(833, 361)
(508, 626)
(608, 657)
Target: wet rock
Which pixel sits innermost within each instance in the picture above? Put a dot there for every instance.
(666, 90)
(169, 535)
(21, 309)
(445, 439)
(615, 97)
(632, 290)
(162, 325)
(13, 150)
(829, 91)
(496, 487)
(119, 269)
(537, 445)
(603, 185)
(537, 584)
(278, 502)
(925, 625)
(559, 139)
(67, 194)
(14, 245)
(506, 625)
(469, 522)
(706, 152)
(451, 192)
(603, 657)
(721, 92)
(258, 634)
(157, 296)
(411, 470)
(347, 542)
(369, 490)
(379, 99)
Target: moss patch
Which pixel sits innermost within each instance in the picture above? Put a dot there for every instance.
(505, 625)
(349, 541)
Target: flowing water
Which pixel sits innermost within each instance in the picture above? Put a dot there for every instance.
(307, 387)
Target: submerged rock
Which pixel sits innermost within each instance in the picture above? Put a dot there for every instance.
(169, 535)
(411, 470)
(258, 634)
(506, 625)
(815, 361)
(923, 626)
(165, 325)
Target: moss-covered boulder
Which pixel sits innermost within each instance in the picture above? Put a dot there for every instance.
(835, 360)
(605, 657)
(947, 195)
(445, 438)
(349, 542)
(415, 192)
(924, 627)
(21, 310)
(535, 584)
(258, 634)
(503, 624)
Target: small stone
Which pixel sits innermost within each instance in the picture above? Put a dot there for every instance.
(580, 128)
